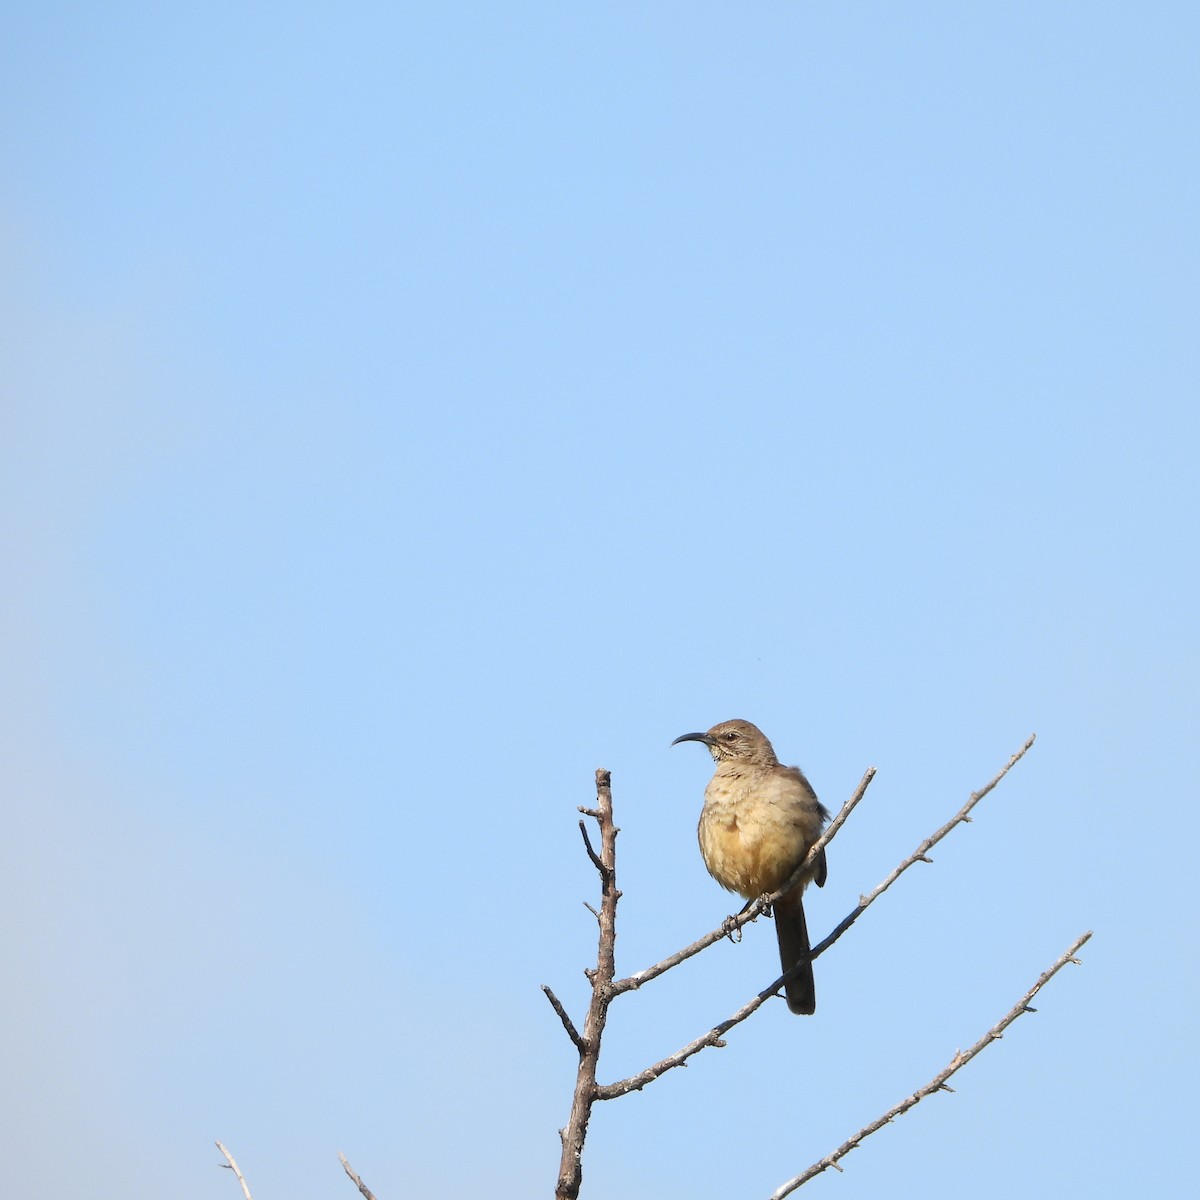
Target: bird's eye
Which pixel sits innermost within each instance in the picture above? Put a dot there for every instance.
(731, 736)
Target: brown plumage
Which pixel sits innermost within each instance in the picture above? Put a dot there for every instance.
(759, 821)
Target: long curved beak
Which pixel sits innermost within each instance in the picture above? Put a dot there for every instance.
(694, 737)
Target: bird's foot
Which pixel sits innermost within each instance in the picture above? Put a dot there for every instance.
(733, 931)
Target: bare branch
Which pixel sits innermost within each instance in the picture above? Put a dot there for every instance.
(938, 1082)
(231, 1165)
(570, 1172)
(358, 1183)
(826, 837)
(611, 1091)
(921, 853)
(635, 1083)
(752, 911)
(568, 1024)
(587, 841)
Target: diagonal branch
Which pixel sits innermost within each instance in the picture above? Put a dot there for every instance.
(752, 911)
(564, 1017)
(635, 1083)
(358, 1183)
(921, 853)
(587, 841)
(938, 1082)
(231, 1165)
(610, 1091)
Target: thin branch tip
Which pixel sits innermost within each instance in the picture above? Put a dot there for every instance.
(597, 862)
(231, 1164)
(920, 854)
(938, 1082)
(565, 1018)
(358, 1183)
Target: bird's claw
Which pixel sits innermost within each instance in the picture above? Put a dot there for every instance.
(733, 931)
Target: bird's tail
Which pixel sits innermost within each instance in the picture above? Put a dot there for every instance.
(793, 947)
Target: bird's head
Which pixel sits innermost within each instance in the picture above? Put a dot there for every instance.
(735, 741)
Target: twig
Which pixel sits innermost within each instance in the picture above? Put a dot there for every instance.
(610, 1091)
(752, 911)
(231, 1165)
(938, 1082)
(358, 1183)
(570, 1172)
(597, 862)
(568, 1024)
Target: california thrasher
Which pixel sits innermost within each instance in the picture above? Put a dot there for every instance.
(759, 821)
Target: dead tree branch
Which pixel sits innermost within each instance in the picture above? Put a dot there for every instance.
(921, 853)
(231, 1165)
(570, 1173)
(563, 1016)
(938, 1082)
(358, 1183)
(714, 1037)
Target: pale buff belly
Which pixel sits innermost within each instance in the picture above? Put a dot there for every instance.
(750, 858)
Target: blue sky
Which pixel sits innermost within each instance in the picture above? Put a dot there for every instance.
(409, 409)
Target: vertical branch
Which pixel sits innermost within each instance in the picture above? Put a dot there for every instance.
(570, 1172)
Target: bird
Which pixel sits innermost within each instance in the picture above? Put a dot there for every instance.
(759, 821)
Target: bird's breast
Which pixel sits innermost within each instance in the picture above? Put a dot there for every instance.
(747, 847)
